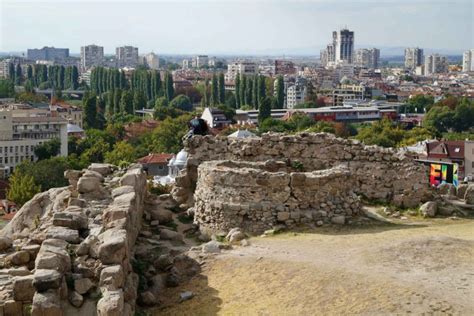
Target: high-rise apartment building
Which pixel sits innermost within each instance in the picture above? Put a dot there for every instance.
(344, 48)
(468, 60)
(367, 58)
(340, 50)
(201, 61)
(91, 55)
(413, 57)
(127, 56)
(435, 64)
(47, 53)
(240, 68)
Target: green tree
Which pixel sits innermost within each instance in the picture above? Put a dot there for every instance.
(22, 188)
(168, 135)
(161, 102)
(439, 118)
(162, 112)
(123, 153)
(117, 98)
(230, 100)
(18, 75)
(169, 89)
(243, 89)
(126, 102)
(90, 110)
(29, 72)
(463, 116)
(237, 92)
(11, 71)
(280, 94)
(214, 91)
(48, 149)
(182, 102)
(221, 88)
(383, 133)
(7, 88)
(139, 100)
(74, 78)
(265, 109)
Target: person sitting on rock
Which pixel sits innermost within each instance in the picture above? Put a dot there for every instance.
(197, 126)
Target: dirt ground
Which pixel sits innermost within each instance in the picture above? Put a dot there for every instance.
(386, 269)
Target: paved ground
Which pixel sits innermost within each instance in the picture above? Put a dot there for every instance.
(421, 268)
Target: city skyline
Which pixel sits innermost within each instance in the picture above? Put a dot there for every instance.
(235, 27)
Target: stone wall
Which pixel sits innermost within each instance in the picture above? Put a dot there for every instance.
(68, 250)
(259, 196)
(376, 173)
(384, 174)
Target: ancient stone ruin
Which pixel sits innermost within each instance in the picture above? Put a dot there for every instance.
(87, 248)
(68, 250)
(255, 183)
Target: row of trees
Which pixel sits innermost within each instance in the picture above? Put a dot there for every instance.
(250, 90)
(147, 83)
(43, 76)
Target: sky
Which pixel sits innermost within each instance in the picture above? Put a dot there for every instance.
(234, 27)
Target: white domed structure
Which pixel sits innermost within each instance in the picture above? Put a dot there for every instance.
(175, 164)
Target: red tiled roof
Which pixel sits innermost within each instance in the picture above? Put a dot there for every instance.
(156, 159)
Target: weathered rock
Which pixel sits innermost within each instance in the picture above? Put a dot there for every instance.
(164, 262)
(47, 279)
(186, 296)
(167, 234)
(338, 220)
(103, 168)
(19, 258)
(461, 190)
(429, 209)
(122, 190)
(89, 183)
(53, 257)
(64, 233)
(5, 243)
(12, 308)
(113, 247)
(235, 236)
(75, 299)
(111, 304)
(23, 289)
(147, 298)
(469, 195)
(47, 304)
(112, 277)
(161, 214)
(212, 247)
(82, 286)
(73, 220)
(447, 189)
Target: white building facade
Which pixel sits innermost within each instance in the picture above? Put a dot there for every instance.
(468, 61)
(240, 68)
(435, 64)
(367, 58)
(20, 135)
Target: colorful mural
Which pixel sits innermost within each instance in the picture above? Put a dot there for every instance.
(443, 173)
